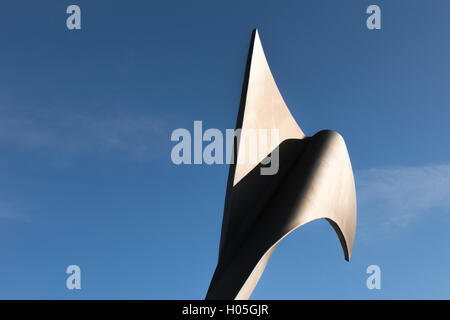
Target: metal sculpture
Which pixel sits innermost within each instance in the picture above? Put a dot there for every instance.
(314, 181)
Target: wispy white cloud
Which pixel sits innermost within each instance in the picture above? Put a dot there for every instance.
(393, 198)
(8, 212)
(65, 130)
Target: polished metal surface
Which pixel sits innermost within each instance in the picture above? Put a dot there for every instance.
(314, 181)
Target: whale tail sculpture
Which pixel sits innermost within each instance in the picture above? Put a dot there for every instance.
(314, 181)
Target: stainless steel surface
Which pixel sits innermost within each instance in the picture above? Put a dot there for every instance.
(314, 181)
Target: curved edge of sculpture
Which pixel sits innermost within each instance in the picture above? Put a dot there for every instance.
(323, 182)
(344, 224)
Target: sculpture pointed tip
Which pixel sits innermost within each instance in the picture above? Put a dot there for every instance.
(255, 34)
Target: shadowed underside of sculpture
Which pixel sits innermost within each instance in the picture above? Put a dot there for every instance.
(314, 181)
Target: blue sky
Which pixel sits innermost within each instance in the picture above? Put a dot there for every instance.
(85, 123)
